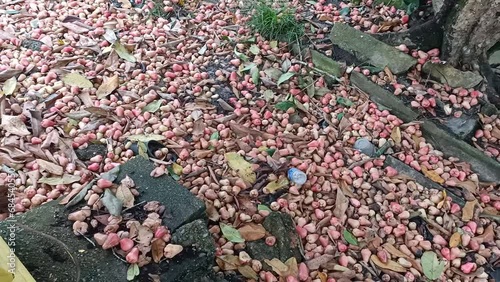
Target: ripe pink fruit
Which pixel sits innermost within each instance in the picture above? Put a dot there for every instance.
(111, 241)
(468, 267)
(303, 272)
(104, 183)
(133, 256)
(126, 244)
(160, 232)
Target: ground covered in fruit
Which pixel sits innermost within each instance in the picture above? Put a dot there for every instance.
(193, 87)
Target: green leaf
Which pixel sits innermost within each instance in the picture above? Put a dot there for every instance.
(247, 66)
(345, 11)
(268, 95)
(350, 238)
(255, 75)
(65, 179)
(273, 44)
(232, 234)
(172, 173)
(112, 203)
(270, 152)
(285, 77)
(152, 107)
(263, 208)
(285, 105)
(132, 271)
(215, 136)
(241, 56)
(433, 268)
(76, 79)
(143, 150)
(254, 49)
(123, 52)
(276, 185)
(241, 167)
(344, 101)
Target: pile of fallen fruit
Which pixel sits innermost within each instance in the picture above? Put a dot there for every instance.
(232, 112)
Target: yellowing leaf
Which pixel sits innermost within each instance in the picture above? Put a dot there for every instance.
(278, 266)
(76, 79)
(396, 135)
(177, 169)
(123, 52)
(432, 175)
(293, 268)
(444, 203)
(241, 167)
(468, 210)
(252, 232)
(9, 86)
(391, 265)
(228, 262)
(248, 272)
(5, 276)
(108, 86)
(455, 239)
(322, 276)
(275, 185)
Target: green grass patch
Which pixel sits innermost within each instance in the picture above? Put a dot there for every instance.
(158, 12)
(276, 23)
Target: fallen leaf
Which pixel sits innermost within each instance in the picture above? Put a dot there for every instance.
(244, 131)
(123, 52)
(391, 265)
(50, 167)
(285, 77)
(132, 271)
(252, 232)
(432, 175)
(76, 79)
(263, 208)
(228, 262)
(74, 27)
(293, 267)
(276, 185)
(317, 262)
(248, 272)
(389, 74)
(144, 235)
(278, 266)
(157, 247)
(146, 137)
(487, 236)
(65, 179)
(112, 203)
(107, 87)
(254, 49)
(397, 253)
(341, 204)
(14, 125)
(396, 135)
(152, 107)
(351, 239)
(9, 86)
(433, 268)
(455, 239)
(231, 233)
(469, 185)
(241, 167)
(8, 73)
(81, 194)
(123, 194)
(212, 212)
(468, 210)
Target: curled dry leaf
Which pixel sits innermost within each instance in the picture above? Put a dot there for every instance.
(391, 265)
(252, 232)
(157, 247)
(432, 175)
(14, 125)
(107, 87)
(468, 210)
(123, 194)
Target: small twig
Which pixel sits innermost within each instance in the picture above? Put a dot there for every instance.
(83, 235)
(138, 204)
(160, 161)
(359, 163)
(117, 256)
(367, 267)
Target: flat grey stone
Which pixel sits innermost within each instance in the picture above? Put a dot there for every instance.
(494, 58)
(326, 64)
(437, 5)
(281, 226)
(180, 205)
(370, 50)
(196, 235)
(91, 151)
(464, 126)
(47, 260)
(447, 74)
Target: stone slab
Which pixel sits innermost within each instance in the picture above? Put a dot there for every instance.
(442, 139)
(455, 78)
(180, 205)
(326, 64)
(370, 50)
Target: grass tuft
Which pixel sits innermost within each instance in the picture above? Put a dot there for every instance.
(158, 12)
(276, 24)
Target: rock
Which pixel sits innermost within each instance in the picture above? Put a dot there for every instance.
(447, 74)
(437, 5)
(487, 168)
(296, 119)
(281, 226)
(48, 260)
(32, 44)
(326, 64)
(464, 126)
(494, 58)
(197, 258)
(368, 49)
(180, 205)
(91, 151)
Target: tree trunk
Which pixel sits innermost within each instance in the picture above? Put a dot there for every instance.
(472, 28)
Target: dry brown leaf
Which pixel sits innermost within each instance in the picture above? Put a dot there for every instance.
(50, 167)
(346, 189)
(278, 266)
(341, 204)
(252, 232)
(244, 131)
(470, 185)
(455, 239)
(391, 265)
(198, 127)
(74, 27)
(14, 125)
(322, 276)
(468, 210)
(107, 87)
(394, 251)
(293, 267)
(396, 134)
(248, 272)
(487, 236)
(316, 263)
(123, 194)
(212, 212)
(416, 140)
(432, 175)
(8, 73)
(228, 262)
(389, 74)
(71, 194)
(157, 247)
(144, 235)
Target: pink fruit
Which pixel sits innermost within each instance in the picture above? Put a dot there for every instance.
(100, 238)
(468, 267)
(104, 183)
(126, 244)
(111, 241)
(133, 256)
(303, 272)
